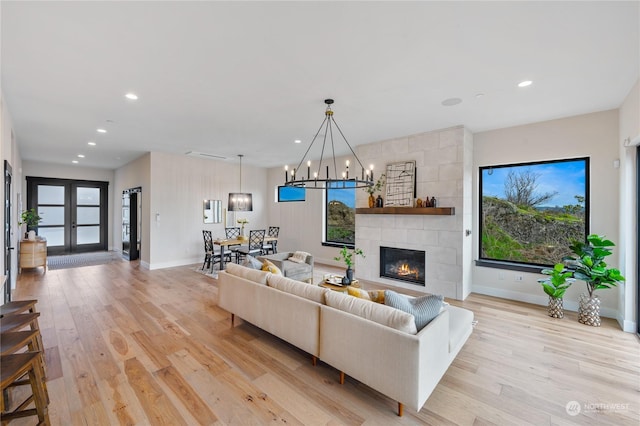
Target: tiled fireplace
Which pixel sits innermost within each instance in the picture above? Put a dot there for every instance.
(403, 265)
(443, 170)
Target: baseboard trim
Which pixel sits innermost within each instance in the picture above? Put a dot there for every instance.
(542, 300)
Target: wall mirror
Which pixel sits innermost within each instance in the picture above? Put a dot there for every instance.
(212, 211)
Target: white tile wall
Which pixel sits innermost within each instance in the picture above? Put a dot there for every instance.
(440, 158)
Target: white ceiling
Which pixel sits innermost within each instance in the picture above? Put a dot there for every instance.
(250, 77)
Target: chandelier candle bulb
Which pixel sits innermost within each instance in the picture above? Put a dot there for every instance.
(308, 169)
(286, 174)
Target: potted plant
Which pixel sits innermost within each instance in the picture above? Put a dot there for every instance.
(31, 219)
(346, 256)
(589, 266)
(372, 190)
(555, 285)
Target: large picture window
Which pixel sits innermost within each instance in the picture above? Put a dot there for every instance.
(340, 214)
(531, 212)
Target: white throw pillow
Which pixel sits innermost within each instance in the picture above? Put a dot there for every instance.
(299, 257)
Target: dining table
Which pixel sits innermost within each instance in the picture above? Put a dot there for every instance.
(225, 243)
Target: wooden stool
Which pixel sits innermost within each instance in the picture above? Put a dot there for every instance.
(18, 307)
(13, 342)
(15, 322)
(12, 368)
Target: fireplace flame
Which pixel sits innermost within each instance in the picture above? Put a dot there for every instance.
(405, 270)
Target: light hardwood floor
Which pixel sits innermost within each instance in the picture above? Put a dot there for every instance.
(125, 345)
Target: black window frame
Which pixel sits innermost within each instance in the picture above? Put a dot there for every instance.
(326, 241)
(519, 265)
(287, 187)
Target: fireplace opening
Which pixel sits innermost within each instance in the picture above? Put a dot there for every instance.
(403, 264)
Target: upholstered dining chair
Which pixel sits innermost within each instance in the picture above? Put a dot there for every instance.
(256, 240)
(271, 246)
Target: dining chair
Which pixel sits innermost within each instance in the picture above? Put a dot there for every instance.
(271, 246)
(210, 255)
(232, 233)
(256, 240)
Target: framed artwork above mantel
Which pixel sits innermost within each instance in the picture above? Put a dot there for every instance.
(401, 184)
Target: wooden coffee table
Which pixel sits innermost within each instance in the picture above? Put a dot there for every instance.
(335, 287)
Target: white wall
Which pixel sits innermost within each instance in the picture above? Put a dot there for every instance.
(180, 184)
(628, 140)
(590, 135)
(57, 171)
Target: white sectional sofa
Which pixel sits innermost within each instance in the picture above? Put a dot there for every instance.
(370, 342)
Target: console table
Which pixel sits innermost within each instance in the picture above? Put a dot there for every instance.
(33, 253)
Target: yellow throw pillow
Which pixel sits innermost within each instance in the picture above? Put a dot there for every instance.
(376, 296)
(358, 292)
(269, 266)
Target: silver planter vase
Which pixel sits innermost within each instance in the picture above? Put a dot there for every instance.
(556, 308)
(589, 310)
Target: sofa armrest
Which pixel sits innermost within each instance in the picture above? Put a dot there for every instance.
(404, 367)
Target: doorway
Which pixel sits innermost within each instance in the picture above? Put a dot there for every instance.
(8, 246)
(131, 222)
(74, 213)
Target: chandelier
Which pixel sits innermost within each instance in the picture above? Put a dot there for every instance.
(240, 201)
(332, 177)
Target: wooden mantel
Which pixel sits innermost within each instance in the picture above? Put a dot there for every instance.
(443, 211)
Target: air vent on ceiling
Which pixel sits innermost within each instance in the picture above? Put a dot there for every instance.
(205, 155)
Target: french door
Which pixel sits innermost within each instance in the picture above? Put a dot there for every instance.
(74, 213)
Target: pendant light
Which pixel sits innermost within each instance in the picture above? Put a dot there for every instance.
(240, 201)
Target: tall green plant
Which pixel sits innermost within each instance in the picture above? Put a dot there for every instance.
(346, 256)
(589, 266)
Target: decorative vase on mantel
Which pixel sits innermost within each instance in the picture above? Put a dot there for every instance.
(556, 309)
(372, 201)
(589, 310)
(379, 202)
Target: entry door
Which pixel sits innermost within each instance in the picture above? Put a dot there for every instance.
(74, 214)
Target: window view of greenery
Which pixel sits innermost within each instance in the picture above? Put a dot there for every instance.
(531, 213)
(341, 214)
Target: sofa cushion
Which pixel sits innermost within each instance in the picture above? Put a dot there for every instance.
(459, 320)
(384, 315)
(251, 262)
(269, 266)
(294, 268)
(423, 309)
(299, 257)
(308, 291)
(250, 274)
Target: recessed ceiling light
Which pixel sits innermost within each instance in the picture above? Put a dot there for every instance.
(91, 143)
(131, 96)
(101, 131)
(525, 83)
(297, 141)
(74, 161)
(80, 155)
(451, 101)
(479, 95)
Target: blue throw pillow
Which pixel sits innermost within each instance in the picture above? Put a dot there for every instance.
(251, 262)
(423, 309)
